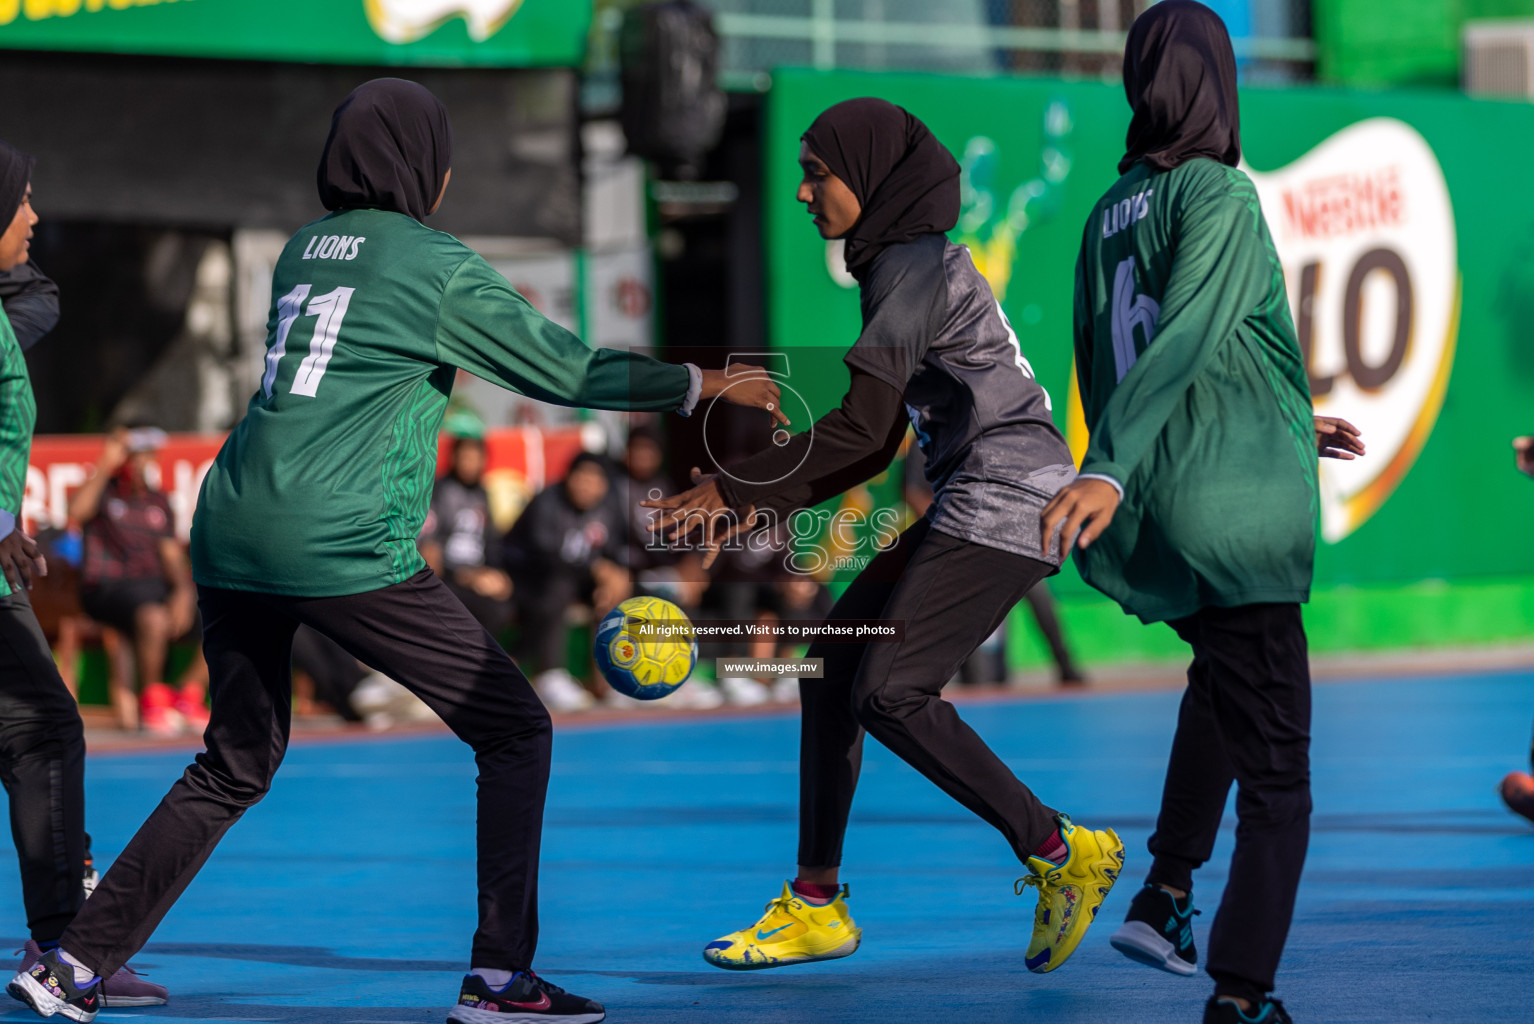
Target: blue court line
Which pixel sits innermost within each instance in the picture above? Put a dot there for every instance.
(346, 897)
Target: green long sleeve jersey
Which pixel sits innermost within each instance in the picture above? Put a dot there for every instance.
(322, 488)
(1195, 395)
(18, 415)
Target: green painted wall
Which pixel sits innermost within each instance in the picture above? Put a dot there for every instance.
(1376, 43)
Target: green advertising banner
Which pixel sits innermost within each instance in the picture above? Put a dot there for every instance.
(440, 33)
(1410, 265)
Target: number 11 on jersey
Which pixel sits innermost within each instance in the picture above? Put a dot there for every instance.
(330, 310)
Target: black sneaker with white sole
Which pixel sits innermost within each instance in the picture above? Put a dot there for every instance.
(48, 986)
(1269, 1011)
(525, 999)
(1158, 931)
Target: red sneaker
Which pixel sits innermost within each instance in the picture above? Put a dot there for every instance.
(157, 711)
(192, 704)
(1517, 791)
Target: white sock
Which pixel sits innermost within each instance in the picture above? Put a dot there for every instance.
(83, 974)
(494, 978)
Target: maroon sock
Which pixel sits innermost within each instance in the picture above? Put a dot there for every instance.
(816, 891)
(1053, 849)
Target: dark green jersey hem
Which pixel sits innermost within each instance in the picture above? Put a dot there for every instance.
(331, 587)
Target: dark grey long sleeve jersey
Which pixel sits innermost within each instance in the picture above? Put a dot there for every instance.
(934, 335)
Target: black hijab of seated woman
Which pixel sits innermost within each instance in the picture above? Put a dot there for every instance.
(905, 180)
(390, 148)
(1180, 80)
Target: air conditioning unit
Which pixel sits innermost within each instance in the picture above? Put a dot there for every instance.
(1499, 58)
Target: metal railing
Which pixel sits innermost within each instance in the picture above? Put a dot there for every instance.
(975, 36)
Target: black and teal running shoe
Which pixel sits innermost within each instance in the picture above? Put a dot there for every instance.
(1269, 1011)
(1158, 931)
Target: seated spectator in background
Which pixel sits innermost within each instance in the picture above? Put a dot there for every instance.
(1523, 448)
(136, 578)
(658, 570)
(743, 589)
(566, 551)
(791, 597)
(459, 541)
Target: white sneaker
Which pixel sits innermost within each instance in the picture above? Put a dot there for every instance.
(743, 692)
(383, 703)
(695, 695)
(560, 691)
(786, 690)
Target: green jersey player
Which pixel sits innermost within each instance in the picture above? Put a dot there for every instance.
(1196, 502)
(310, 514)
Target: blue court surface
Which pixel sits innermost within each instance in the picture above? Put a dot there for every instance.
(347, 897)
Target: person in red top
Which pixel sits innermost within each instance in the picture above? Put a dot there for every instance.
(136, 579)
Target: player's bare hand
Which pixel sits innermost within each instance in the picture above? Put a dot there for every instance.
(1523, 448)
(21, 560)
(1081, 512)
(745, 385)
(701, 508)
(1336, 438)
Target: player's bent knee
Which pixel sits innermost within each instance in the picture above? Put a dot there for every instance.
(237, 791)
(876, 706)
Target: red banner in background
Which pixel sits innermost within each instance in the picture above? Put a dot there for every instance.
(521, 460)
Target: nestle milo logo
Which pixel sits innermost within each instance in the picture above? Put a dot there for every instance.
(405, 21)
(1365, 231)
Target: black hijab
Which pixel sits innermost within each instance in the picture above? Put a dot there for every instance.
(905, 180)
(1180, 78)
(15, 173)
(390, 147)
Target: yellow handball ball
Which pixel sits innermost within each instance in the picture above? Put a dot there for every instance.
(646, 647)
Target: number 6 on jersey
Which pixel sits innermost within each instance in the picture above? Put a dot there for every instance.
(330, 309)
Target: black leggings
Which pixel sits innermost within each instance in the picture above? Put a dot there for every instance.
(1245, 718)
(951, 594)
(415, 632)
(42, 764)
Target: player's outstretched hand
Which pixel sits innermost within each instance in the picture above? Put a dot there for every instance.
(746, 385)
(1336, 438)
(21, 560)
(702, 508)
(1524, 449)
(1082, 509)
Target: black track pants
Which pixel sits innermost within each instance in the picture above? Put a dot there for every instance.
(951, 594)
(1245, 718)
(42, 764)
(415, 632)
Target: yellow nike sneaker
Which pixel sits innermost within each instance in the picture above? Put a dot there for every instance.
(1070, 893)
(790, 932)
